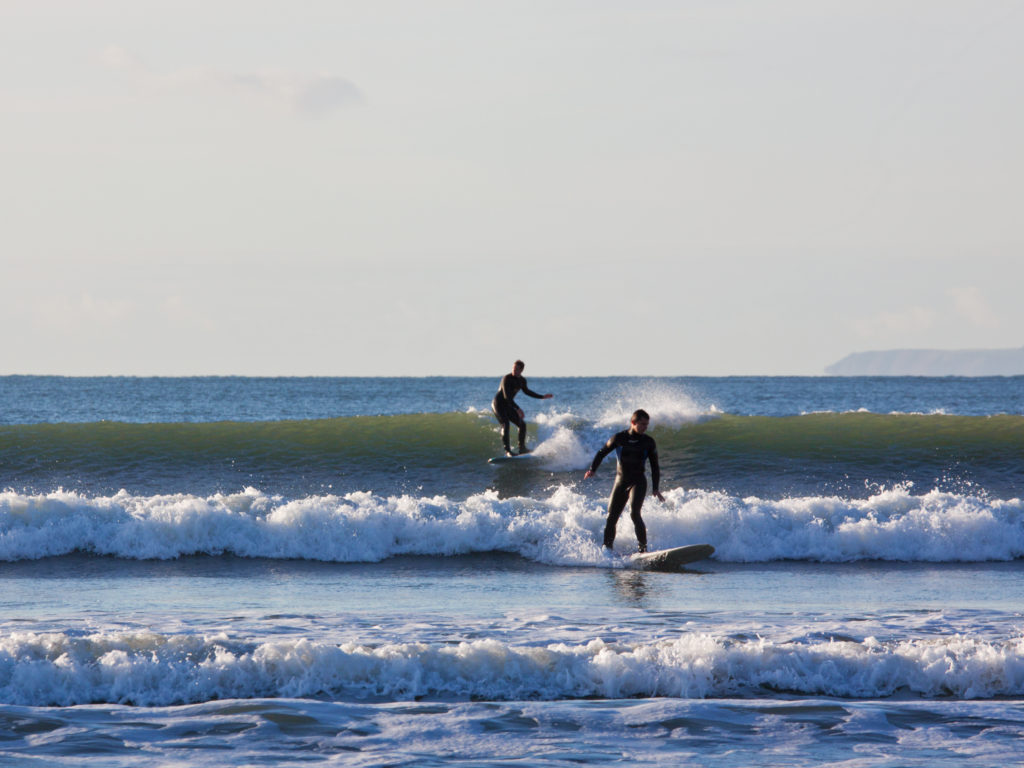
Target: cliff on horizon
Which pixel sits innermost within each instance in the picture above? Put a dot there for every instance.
(931, 362)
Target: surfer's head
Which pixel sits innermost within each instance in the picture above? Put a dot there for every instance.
(640, 420)
(517, 367)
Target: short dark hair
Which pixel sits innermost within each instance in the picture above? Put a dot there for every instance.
(640, 414)
(519, 362)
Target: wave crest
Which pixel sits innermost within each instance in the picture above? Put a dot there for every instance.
(58, 669)
(562, 529)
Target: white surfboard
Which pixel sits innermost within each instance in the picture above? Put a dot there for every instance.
(510, 459)
(670, 559)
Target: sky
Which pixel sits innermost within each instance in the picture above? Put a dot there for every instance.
(437, 187)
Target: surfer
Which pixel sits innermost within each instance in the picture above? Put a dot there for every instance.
(506, 410)
(634, 449)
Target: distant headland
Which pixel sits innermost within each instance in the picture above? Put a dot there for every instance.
(931, 362)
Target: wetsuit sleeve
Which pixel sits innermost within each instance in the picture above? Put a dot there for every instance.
(530, 392)
(599, 456)
(655, 468)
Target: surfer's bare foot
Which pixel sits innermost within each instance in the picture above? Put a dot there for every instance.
(508, 452)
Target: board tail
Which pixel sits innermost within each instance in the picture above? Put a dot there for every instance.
(671, 559)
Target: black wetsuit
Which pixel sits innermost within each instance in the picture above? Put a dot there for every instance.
(634, 450)
(506, 410)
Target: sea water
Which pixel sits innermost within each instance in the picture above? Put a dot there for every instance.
(241, 571)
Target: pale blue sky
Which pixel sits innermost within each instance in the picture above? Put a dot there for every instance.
(412, 188)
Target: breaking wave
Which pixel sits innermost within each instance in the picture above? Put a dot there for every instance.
(563, 528)
(148, 669)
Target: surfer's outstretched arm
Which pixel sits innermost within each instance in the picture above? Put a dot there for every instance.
(531, 393)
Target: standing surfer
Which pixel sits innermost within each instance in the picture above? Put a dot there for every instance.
(634, 449)
(506, 410)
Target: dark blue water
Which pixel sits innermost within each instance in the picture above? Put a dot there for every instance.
(767, 437)
(35, 399)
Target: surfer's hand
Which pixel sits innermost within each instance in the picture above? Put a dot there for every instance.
(548, 396)
(588, 475)
(659, 496)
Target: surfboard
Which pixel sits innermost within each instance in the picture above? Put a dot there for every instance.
(670, 559)
(508, 459)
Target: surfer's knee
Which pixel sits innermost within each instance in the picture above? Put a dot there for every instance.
(636, 502)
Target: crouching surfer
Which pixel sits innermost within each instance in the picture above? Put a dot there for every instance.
(506, 410)
(634, 449)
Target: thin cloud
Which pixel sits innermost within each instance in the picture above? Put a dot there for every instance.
(84, 311)
(907, 321)
(309, 95)
(971, 305)
(116, 57)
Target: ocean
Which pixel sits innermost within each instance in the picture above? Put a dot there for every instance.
(253, 571)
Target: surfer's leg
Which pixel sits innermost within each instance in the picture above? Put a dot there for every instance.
(515, 418)
(636, 503)
(501, 414)
(616, 503)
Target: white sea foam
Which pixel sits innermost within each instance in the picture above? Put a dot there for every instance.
(567, 442)
(152, 669)
(564, 528)
(893, 524)
(668, 406)
(561, 447)
(350, 528)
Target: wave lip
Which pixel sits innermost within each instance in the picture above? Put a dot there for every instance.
(872, 436)
(147, 669)
(332, 442)
(452, 440)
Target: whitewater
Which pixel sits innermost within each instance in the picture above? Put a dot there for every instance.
(563, 528)
(246, 571)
